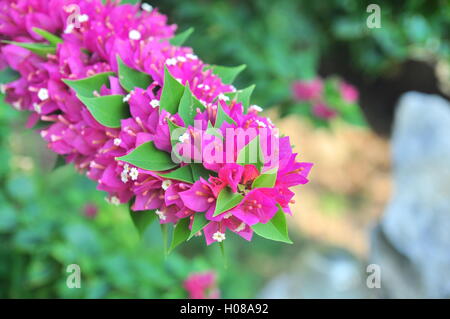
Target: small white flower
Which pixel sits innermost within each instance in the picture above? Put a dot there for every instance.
(37, 107)
(134, 35)
(261, 123)
(43, 94)
(240, 228)
(69, 28)
(146, 7)
(115, 200)
(154, 103)
(171, 61)
(181, 59)
(134, 173)
(191, 56)
(17, 104)
(2, 88)
(256, 108)
(117, 141)
(223, 97)
(83, 18)
(183, 138)
(126, 98)
(218, 236)
(166, 184)
(227, 215)
(124, 176)
(160, 214)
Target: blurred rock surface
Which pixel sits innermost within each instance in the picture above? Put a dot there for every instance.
(412, 242)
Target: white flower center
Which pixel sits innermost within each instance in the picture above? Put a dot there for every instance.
(171, 61)
(117, 141)
(83, 18)
(37, 107)
(43, 94)
(146, 7)
(134, 173)
(160, 214)
(166, 184)
(183, 138)
(154, 103)
(218, 236)
(256, 108)
(223, 97)
(134, 35)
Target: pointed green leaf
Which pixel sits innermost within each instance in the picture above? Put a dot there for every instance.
(40, 49)
(147, 156)
(130, 78)
(108, 110)
(275, 229)
(222, 117)
(211, 130)
(87, 86)
(51, 38)
(142, 219)
(252, 154)
(180, 38)
(198, 170)
(227, 200)
(266, 180)
(199, 223)
(188, 106)
(180, 233)
(228, 73)
(183, 174)
(243, 96)
(171, 93)
(8, 75)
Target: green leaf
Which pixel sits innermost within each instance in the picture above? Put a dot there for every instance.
(211, 130)
(40, 49)
(244, 95)
(164, 233)
(147, 156)
(266, 180)
(8, 75)
(252, 154)
(226, 201)
(87, 86)
(275, 229)
(199, 223)
(130, 78)
(180, 233)
(222, 117)
(188, 106)
(51, 38)
(171, 93)
(180, 38)
(142, 219)
(198, 170)
(108, 110)
(183, 174)
(228, 73)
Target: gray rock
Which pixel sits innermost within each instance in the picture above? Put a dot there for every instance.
(320, 272)
(412, 243)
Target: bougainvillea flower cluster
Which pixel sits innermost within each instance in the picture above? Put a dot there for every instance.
(112, 90)
(202, 285)
(314, 91)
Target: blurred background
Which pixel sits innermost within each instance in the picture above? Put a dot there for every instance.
(378, 192)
